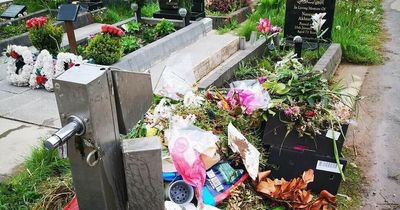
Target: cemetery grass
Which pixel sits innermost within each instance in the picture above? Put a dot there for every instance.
(43, 177)
(357, 27)
(148, 9)
(36, 5)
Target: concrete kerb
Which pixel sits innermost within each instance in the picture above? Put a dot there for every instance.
(142, 59)
(223, 73)
(328, 64)
(330, 61)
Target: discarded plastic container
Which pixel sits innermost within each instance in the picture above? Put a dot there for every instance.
(180, 193)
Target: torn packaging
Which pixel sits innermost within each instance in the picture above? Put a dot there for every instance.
(250, 155)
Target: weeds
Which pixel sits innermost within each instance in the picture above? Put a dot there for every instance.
(42, 171)
(228, 27)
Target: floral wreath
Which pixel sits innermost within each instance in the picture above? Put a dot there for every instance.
(43, 71)
(66, 61)
(19, 65)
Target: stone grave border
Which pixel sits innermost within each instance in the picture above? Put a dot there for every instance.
(238, 15)
(145, 57)
(328, 64)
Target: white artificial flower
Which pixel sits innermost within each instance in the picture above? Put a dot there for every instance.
(192, 100)
(177, 121)
(20, 77)
(44, 65)
(318, 22)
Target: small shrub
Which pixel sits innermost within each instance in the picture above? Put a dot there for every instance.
(132, 27)
(44, 35)
(104, 49)
(149, 35)
(164, 27)
(129, 44)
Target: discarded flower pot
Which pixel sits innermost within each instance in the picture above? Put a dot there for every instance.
(276, 135)
(179, 192)
(290, 163)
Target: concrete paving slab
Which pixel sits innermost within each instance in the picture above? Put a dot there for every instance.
(33, 106)
(7, 87)
(201, 57)
(16, 142)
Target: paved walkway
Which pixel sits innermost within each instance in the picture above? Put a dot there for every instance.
(376, 139)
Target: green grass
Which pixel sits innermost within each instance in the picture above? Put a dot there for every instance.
(351, 187)
(357, 27)
(29, 188)
(114, 14)
(35, 5)
(149, 9)
(228, 27)
(359, 32)
(11, 30)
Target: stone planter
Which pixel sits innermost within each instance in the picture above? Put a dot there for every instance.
(239, 15)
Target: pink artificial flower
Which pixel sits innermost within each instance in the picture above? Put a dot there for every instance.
(247, 100)
(264, 26)
(110, 29)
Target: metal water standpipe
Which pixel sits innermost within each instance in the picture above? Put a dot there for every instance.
(75, 126)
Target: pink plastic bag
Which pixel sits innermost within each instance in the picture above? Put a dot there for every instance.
(189, 165)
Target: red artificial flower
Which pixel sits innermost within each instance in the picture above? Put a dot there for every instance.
(70, 65)
(41, 80)
(14, 54)
(115, 31)
(36, 22)
(310, 114)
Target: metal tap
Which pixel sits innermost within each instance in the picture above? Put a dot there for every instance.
(75, 126)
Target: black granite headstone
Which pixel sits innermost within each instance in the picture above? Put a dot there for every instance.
(298, 18)
(13, 11)
(68, 12)
(169, 10)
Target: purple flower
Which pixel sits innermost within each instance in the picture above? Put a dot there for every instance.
(288, 112)
(262, 79)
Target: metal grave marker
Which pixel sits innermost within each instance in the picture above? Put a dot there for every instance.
(13, 11)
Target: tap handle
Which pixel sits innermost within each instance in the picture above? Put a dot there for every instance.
(75, 126)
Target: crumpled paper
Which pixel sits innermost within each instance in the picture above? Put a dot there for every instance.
(250, 155)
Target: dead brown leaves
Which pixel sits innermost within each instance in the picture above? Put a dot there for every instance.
(294, 192)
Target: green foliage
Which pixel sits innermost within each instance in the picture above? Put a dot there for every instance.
(35, 5)
(114, 14)
(164, 27)
(11, 30)
(357, 27)
(133, 27)
(104, 49)
(186, 4)
(129, 44)
(149, 35)
(228, 27)
(47, 37)
(23, 191)
(149, 9)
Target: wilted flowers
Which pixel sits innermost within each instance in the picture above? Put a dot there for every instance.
(36, 22)
(110, 29)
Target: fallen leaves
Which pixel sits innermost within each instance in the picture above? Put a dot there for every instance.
(294, 192)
